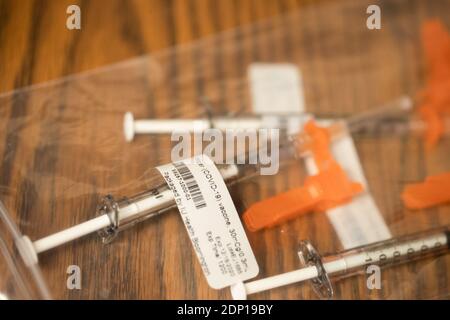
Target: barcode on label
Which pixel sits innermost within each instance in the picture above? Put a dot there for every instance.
(191, 184)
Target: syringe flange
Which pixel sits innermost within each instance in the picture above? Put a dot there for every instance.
(309, 256)
(110, 207)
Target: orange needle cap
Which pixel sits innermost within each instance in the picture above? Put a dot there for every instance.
(328, 189)
(435, 190)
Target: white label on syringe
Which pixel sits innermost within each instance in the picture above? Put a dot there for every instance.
(211, 221)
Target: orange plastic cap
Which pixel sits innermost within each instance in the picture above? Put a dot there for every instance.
(435, 190)
(328, 189)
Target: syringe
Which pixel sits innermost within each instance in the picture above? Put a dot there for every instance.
(319, 270)
(288, 122)
(114, 216)
(131, 127)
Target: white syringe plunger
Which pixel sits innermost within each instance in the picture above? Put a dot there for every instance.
(131, 127)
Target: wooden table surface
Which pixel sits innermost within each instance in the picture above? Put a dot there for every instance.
(61, 145)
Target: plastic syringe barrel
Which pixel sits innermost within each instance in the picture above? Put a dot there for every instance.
(127, 212)
(392, 251)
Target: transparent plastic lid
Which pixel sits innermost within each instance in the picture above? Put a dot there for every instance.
(21, 277)
(64, 149)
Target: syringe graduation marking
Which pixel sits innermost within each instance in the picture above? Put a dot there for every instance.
(392, 251)
(406, 249)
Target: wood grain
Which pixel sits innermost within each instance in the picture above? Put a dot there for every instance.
(61, 146)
